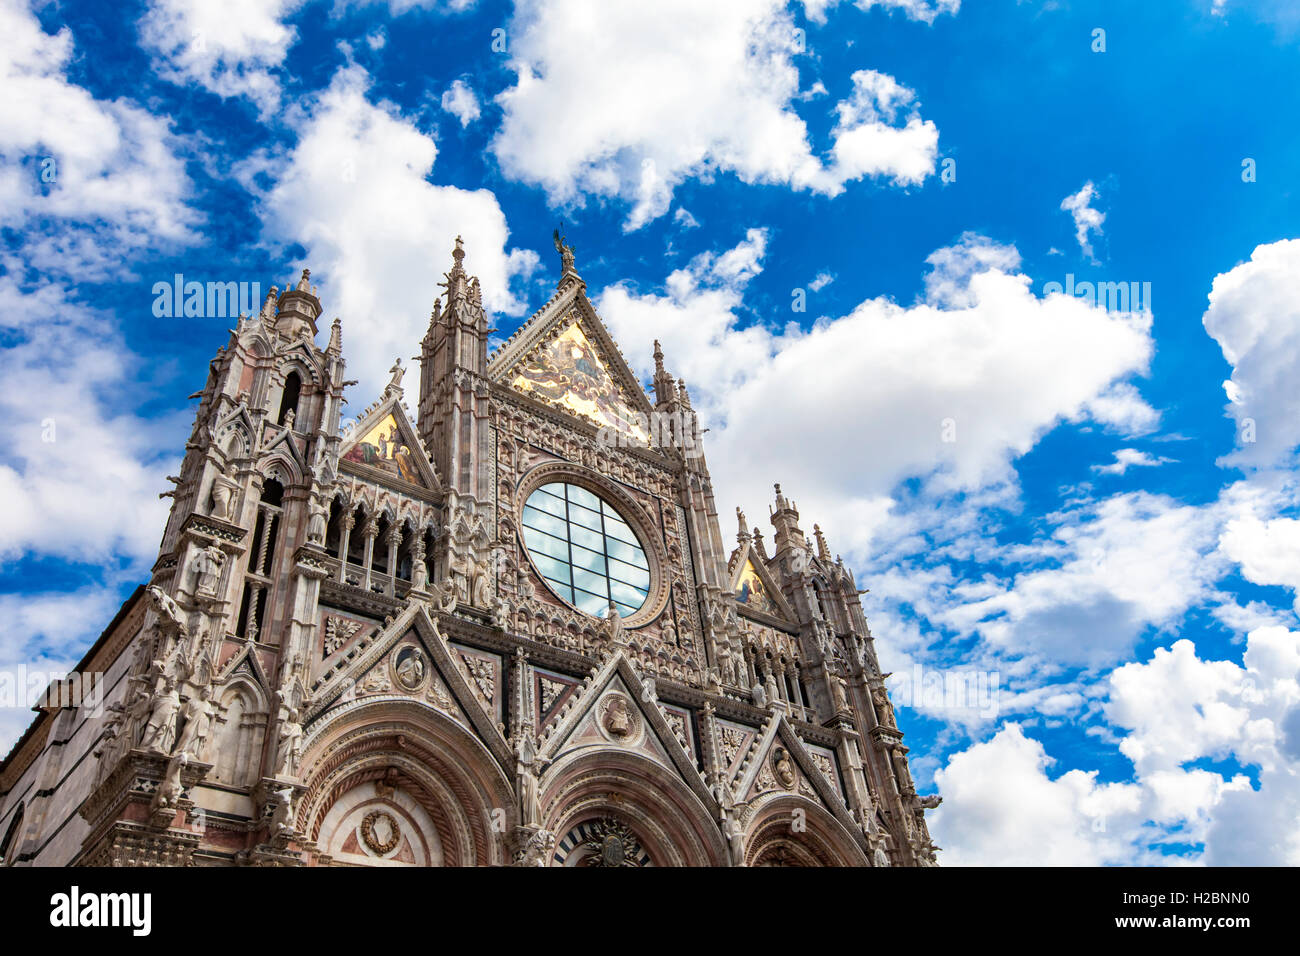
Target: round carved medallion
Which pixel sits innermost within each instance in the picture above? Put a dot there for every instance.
(619, 718)
(410, 668)
(380, 832)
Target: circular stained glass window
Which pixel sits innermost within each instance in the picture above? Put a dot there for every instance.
(585, 551)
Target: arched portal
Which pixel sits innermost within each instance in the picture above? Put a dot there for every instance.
(791, 830)
(392, 781)
(610, 807)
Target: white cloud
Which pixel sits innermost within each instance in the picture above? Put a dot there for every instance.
(237, 47)
(1268, 551)
(1254, 316)
(1087, 221)
(102, 172)
(1002, 809)
(821, 281)
(1004, 365)
(684, 219)
(231, 48)
(1127, 458)
(80, 479)
(459, 100)
(355, 192)
(1180, 708)
(1177, 708)
(714, 86)
(1116, 567)
(924, 10)
(1002, 806)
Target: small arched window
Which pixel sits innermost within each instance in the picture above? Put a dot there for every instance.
(289, 401)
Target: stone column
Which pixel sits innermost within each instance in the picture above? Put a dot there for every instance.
(392, 539)
(349, 522)
(370, 530)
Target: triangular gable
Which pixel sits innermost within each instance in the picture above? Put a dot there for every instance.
(443, 687)
(612, 708)
(780, 762)
(565, 357)
(756, 590)
(384, 441)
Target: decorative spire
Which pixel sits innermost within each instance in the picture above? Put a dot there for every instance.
(336, 337)
(665, 388)
(456, 285)
(781, 503)
(682, 394)
(823, 552)
(304, 284)
(268, 304)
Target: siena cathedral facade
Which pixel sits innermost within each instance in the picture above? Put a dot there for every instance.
(507, 630)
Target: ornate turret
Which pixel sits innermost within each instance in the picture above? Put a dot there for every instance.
(298, 309)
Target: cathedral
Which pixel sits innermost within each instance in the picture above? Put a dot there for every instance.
(505, 630)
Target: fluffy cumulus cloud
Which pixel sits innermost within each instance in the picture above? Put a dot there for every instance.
(1002, 803)
(65, 371)
(460, 101)
(231, 49)
(1254, 316)
(951, 389)
(1002, 808)
(1268, 550)
(714, 84)
(1087, 220)
(105, 177)
(1179, 708)
(355, 191)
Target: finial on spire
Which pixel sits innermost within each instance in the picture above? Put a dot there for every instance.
(822, 551)
(744, 527)
(459, 252)
(304, 284)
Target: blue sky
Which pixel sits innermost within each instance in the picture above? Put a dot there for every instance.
(1090, 510)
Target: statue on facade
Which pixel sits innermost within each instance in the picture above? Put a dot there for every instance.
(281, 803)
(197, 713)
(207, 565)
(160, 731)
(222, 491)
(611, 627)
(395, 383)
(884, 709)
(167, 609)
(290, 746)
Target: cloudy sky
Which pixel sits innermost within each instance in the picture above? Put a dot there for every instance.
(869, 235)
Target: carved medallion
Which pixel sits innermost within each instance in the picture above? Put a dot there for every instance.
(783, 768)
(619, 718)
(410, 668)
(380, 832)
